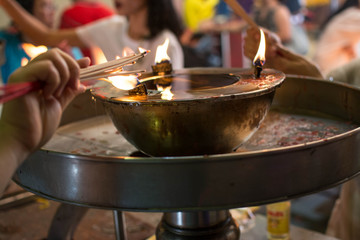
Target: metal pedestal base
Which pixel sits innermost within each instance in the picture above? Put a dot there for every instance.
(209, 225)
(68, 217)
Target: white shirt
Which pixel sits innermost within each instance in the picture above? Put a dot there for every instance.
(111, 36)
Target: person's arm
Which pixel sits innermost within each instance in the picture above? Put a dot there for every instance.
(283, 24)
(28, 122)
(277, 56)
(36, 30)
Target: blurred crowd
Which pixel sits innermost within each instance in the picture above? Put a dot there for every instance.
(324, 31)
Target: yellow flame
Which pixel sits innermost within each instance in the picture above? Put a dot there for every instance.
(127, 52)
(24, 61)
(32, 51)
(161, 52)
(124, 82)
(98, 54)
(142, 50)
(166, 93)
(260, 55)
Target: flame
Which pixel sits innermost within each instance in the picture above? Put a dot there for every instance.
(161, 52)
(99, 56)
(127, 52)
(32, 51)
(124, 82)
(166, 93)
(24, 61)
(260, 55)
(142, 50)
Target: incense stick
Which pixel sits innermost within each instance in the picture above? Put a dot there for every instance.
(113, 65)
(239, 10)
(87, 77)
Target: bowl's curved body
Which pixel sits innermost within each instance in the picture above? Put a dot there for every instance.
(215, 120)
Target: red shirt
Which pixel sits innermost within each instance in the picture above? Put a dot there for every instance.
(81, 13)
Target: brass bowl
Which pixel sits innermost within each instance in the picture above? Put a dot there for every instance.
(213, 111)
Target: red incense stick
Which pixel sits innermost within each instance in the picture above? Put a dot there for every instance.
(15, 90)
(87, 77)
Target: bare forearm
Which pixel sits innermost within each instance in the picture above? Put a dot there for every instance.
(298, 67)
(35, 29)
(12, 154)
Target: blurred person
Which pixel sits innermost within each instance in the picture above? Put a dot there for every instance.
(340, 7)
(197, 11)
(199, 47)
(275, 16)
(339, 43)
(139, 23)
(11, 50)
(82, 12)
(29, 121)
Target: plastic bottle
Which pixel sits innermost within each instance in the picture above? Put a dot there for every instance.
(278, 220)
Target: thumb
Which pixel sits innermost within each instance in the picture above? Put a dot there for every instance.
(84, 62)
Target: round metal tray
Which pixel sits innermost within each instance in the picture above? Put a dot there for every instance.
(211, 182)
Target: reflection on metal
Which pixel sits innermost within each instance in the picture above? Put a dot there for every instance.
(207, 225)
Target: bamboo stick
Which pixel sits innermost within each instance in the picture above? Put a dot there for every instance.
(239, 10)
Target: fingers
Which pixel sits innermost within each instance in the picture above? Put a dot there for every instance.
(84, 62)
(67, 68)
(43, 71)
(56, 69)
(251, 42)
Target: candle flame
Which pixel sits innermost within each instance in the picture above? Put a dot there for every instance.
(32, 51)
(260, 55)
(166, 93)
(161, 52)
(126, 82)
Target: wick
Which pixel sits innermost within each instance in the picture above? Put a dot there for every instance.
(258, 68)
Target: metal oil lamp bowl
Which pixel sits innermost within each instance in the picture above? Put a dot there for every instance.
(212, 111)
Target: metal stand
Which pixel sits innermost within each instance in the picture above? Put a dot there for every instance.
(68, 217)
(65, 221)
(209, 225)
(120, 227)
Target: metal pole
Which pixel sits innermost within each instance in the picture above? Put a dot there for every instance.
(120, 226)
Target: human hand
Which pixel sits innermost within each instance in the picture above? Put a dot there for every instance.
(277, 56)
(252, 40)
(31, 120)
